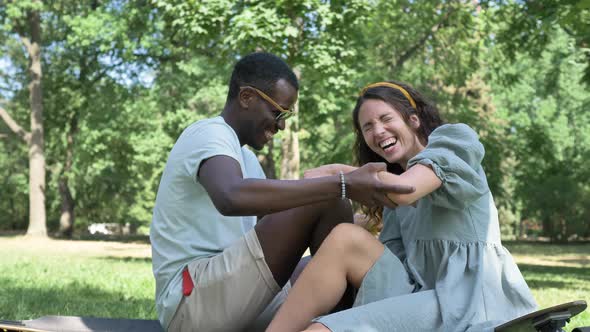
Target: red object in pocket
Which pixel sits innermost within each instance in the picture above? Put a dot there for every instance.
(187, 282)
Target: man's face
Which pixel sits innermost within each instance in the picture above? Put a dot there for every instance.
(262, 114)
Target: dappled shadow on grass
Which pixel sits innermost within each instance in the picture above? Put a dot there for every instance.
(144, 239)
(73, 299)
(535, 283)
(538, 248)
(565, 277)
(11, 234)
(126, 259)
(137, 238)
(577, 261)
(577, 272)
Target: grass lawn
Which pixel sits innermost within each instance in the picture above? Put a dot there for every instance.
(556, 274)
(75, 278)
(114, 279)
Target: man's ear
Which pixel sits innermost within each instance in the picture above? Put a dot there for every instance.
(245, 97)
(414, 121)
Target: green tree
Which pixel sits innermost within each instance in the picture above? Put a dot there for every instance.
(530, 25)
(23, 20)
(314, 37)
(97, 52)
(547, 130)
(94, 55)
(122, 79)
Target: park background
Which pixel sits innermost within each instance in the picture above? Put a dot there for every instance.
(93, 95)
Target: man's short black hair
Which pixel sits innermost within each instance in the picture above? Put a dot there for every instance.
(262, 71)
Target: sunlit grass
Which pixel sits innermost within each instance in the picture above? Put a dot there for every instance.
(556, 274)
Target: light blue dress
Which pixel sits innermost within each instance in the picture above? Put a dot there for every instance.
(444, 267)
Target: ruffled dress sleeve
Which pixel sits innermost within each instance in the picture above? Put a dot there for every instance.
(454, 153)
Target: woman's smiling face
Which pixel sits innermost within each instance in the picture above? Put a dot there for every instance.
(386, 132)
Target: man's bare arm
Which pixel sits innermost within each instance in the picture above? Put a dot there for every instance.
(233, 195)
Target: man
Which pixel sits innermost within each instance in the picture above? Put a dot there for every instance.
(216, 267)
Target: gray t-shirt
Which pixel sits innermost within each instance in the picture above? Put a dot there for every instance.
(185, 224)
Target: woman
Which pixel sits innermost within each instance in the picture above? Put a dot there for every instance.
(438, 264)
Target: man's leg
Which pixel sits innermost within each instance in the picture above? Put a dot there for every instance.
(271, 251)
(284, 236)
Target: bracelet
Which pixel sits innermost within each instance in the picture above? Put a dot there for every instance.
(342, 185)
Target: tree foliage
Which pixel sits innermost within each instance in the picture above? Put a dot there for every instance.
(122, 79)
(530, 25)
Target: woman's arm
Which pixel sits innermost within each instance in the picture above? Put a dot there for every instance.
(327, 170)
(419, 176)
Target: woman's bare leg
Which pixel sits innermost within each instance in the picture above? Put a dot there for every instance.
(346, 255)
(317, 327)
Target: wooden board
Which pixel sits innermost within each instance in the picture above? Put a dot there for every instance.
(80, 324)
(525, 323)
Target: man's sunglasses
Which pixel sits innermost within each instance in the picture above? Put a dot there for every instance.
(283, 113)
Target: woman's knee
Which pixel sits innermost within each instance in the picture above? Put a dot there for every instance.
(350, 237)
(354, 249)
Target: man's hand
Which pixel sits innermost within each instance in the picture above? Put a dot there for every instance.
(365, 187)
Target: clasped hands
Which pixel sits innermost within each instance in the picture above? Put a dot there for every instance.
(363, 183)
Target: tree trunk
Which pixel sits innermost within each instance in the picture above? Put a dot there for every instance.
(37, 217)
(563, 229)
(549, 229)
(290, 148)
(66, 219)
(268, 162)
(67, 216)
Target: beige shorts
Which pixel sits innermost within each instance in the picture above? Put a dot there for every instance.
(233, 291)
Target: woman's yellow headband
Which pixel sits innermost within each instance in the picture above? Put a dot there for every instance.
(391, 85)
